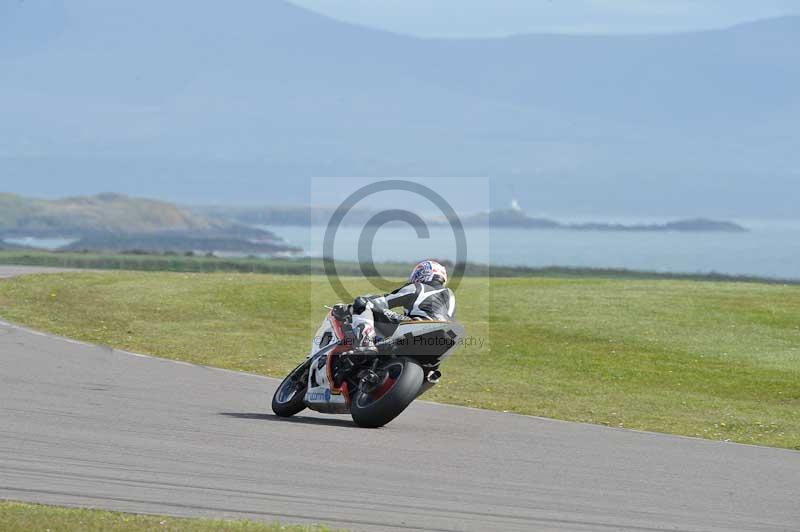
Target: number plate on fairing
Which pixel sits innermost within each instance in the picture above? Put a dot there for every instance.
(319, 396)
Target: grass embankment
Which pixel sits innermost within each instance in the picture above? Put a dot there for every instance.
(19, 517)
(715, 360)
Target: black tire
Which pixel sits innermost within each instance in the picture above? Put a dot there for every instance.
(402, 379)
(286, 402)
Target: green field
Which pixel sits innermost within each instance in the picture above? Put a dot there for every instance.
(714, 360)
(19, 517)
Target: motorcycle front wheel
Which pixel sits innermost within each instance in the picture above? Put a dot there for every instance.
(376, 405)
(289, 397)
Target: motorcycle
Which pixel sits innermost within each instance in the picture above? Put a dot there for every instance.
(376, 388)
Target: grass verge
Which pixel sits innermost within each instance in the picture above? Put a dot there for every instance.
(714, 360)
(20, 517)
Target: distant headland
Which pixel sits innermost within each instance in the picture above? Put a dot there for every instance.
(514, 217)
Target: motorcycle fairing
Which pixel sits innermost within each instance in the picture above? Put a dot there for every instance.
(430, 342)
(321, 394)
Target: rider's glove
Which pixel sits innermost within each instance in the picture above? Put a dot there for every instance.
(361, 304)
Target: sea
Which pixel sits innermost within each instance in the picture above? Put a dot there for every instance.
(769, 249)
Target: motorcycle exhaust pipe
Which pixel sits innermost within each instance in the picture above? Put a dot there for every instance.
(431, 380)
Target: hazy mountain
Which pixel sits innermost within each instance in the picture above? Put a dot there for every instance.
(207, 101)
(112, 213)
(108, 214)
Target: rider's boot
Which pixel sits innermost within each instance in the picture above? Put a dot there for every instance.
(364, 342)
(365, 345)
(364, 331)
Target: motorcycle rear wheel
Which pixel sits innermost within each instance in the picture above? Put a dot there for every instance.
(377, 406)
(289, 397)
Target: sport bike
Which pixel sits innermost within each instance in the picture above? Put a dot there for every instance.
(373, 388)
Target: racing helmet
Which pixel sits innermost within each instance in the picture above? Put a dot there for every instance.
(428, 271)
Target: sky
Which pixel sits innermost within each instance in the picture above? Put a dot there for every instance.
(474, 18)
(91, 102)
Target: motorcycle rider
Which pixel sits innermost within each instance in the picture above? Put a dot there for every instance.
(424, 297)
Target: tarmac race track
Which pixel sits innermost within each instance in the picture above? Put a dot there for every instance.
(91, 426)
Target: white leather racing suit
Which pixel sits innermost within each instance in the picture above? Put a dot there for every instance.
(420, 301)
